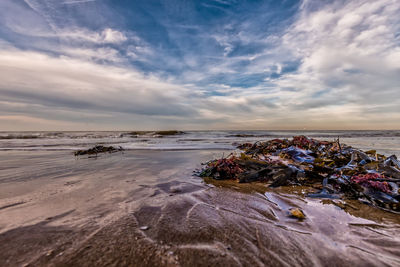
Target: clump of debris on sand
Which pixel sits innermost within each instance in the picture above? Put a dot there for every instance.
(338, 170)
(98, 149)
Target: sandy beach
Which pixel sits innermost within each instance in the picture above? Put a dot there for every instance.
(145, 208)
(199, 133)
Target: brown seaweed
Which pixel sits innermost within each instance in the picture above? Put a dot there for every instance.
(340, 170)
(98, 149)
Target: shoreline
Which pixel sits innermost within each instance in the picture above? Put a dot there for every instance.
(146, 208)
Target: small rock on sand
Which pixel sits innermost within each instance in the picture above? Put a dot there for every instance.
(297, 213)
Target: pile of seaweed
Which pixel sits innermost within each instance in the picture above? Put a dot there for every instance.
(338, 170)
(98, 149)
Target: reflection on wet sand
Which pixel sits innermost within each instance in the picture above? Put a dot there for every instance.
(145, 208)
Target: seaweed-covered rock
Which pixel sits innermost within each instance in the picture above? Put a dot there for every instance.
(170, 132)
(98, 149)
(340, 170)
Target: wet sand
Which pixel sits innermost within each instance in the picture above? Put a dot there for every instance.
(144, 208)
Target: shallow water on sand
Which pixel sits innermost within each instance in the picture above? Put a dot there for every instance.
(145, 208)
(385, 142)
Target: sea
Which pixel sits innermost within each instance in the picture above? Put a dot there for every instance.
(384, 142)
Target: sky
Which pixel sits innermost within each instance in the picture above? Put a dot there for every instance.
(199, 64)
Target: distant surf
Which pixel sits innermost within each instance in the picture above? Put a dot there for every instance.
(386, 142)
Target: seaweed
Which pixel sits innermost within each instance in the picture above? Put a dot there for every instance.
(98, 149)
(340, 170)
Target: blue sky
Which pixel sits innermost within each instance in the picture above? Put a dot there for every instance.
(217, 64)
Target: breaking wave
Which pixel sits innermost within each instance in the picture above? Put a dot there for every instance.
(386, 142)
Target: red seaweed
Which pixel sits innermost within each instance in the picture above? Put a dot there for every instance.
(367, 180)
(338, 169)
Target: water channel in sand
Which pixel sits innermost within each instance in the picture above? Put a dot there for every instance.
(146, 208)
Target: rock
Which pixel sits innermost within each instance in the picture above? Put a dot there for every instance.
(171, 132)
(297, 213)
(343, 170)
(98, 149)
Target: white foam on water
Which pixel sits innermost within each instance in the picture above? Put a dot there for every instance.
(385, 142)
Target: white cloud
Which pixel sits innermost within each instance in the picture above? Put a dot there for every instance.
(224, 42)
(70, 91)
(73, 84)
(112, 36)
(350, 52)
(107, 36)
(106, 54)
